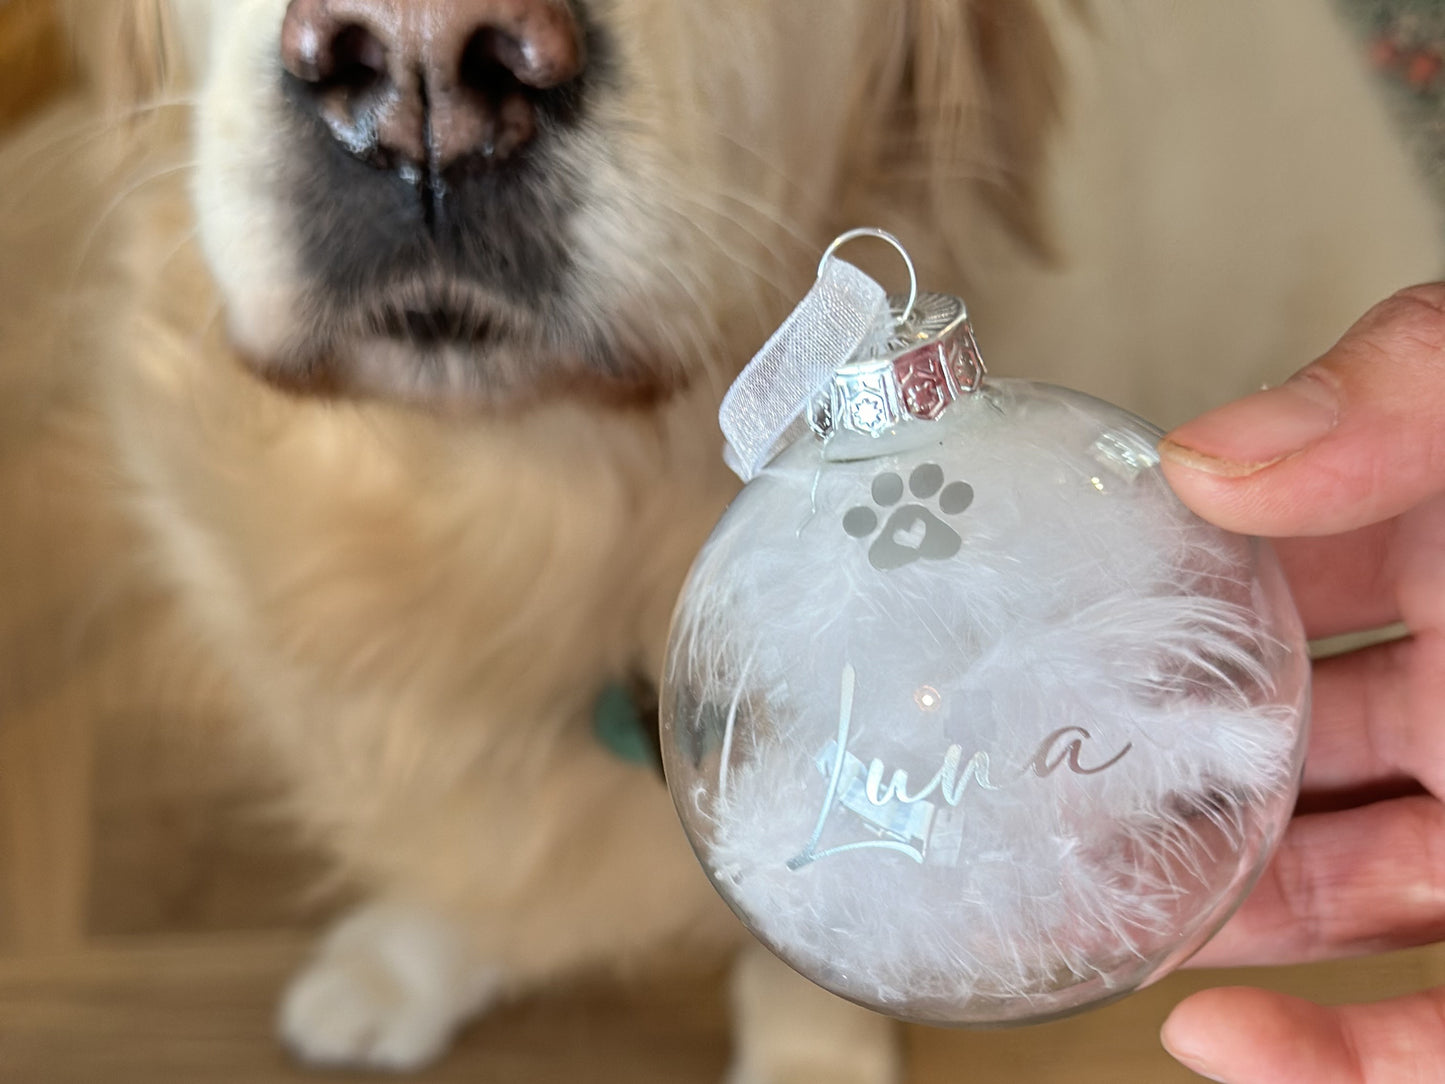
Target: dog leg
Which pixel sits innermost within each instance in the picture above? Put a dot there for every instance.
(789, 1031)
(387, 988)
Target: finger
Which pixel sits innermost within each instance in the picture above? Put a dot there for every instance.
(1364, 880)
(1376, 715)
(1343, 583)
(1243, 1036)
(1354, 438)
(1353, 699)
(1373, 576)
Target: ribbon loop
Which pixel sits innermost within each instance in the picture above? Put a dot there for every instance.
(763, 409)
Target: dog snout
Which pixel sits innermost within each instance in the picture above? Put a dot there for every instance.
(426, 82)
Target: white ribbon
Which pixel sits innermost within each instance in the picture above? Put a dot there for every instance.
(762, 411)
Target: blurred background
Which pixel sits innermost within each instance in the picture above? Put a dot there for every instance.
(150, 909)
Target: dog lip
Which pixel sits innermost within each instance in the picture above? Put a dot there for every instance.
(437, 325)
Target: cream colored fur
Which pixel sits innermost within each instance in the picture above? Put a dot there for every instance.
(417, 607)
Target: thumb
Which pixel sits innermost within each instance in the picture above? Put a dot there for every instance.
(1354, 438)
(1245, 1036)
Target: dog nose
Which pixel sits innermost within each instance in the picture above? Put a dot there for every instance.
(426, 82)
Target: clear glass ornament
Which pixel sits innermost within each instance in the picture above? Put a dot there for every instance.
(971, 721)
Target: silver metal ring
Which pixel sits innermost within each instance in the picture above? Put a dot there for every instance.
(882, 235)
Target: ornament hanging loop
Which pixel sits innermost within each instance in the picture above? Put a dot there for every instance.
(882, 235)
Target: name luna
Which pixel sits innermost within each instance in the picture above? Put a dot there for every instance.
(1063, 748)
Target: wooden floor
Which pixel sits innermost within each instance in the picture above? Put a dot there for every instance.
(196, 1009)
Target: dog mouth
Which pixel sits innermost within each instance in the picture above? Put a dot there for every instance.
(434, 326)
(452, 347)
(429, 314)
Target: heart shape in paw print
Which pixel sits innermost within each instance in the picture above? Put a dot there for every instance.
(910, 537)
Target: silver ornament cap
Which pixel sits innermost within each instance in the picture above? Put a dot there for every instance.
(929, 361)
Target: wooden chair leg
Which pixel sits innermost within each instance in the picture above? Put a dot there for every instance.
(32, 57)
(45, 798)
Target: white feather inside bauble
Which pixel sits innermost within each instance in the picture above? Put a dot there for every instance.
(985, 727)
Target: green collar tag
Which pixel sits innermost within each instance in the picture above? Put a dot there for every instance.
(617, 723)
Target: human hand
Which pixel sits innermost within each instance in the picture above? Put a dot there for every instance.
(1345, 465)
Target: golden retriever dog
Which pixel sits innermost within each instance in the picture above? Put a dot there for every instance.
(410, 338)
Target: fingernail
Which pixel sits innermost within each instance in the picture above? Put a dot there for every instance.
(1251, 433)
(1191, 1061)
(1198, 1067)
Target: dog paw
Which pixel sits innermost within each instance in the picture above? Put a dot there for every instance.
(791, 1032)
(387, 989)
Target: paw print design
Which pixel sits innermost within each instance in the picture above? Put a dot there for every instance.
(912, 532)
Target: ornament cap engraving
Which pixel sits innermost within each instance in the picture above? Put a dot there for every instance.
(930, 360)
